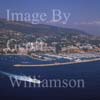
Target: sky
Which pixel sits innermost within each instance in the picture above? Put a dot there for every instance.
(85, 14)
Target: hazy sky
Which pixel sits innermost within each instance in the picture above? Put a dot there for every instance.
(85, 14)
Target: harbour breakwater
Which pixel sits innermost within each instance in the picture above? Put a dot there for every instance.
(55, 64)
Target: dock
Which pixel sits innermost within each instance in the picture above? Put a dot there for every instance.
(54, 64)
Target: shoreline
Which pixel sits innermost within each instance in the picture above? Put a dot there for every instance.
(49, 65)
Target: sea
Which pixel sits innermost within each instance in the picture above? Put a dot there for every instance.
(89, 72)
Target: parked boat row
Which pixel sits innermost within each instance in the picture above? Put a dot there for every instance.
(48, 59)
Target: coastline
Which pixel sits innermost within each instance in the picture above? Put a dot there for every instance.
(49, 65)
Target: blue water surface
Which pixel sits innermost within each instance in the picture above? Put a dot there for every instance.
(90, 72)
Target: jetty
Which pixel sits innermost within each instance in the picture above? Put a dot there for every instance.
(54, 64)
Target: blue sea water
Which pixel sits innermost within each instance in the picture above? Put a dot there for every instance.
(90, 72)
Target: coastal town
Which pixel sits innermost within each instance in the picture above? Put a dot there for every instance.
(46, 42)
(43, 51)
(41, 47)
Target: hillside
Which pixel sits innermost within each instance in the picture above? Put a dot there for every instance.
(28, 32)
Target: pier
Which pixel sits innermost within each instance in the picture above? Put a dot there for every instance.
(55, 64)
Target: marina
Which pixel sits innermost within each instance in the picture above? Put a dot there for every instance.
(70, 71)
(47, 60)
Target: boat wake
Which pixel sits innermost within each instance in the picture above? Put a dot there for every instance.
(21, 78)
